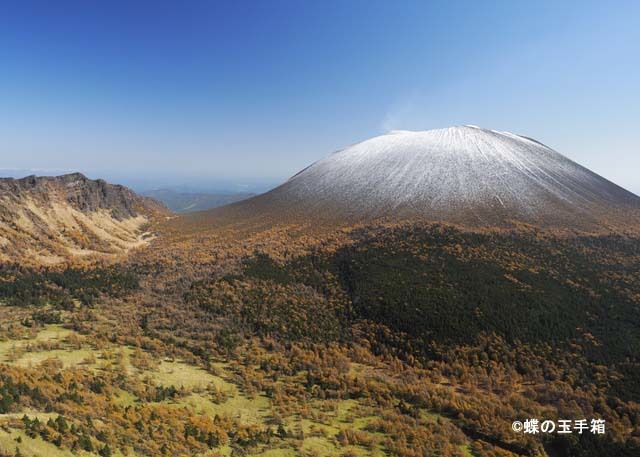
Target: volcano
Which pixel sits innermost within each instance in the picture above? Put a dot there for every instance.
(463, 174)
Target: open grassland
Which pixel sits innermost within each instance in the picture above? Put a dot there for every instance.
(149, 380)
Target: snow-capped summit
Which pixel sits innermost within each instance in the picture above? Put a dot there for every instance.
(463, 174)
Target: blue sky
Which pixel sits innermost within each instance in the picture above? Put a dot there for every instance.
(250, 92)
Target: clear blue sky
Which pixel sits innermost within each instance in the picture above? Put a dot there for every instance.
(243, 90)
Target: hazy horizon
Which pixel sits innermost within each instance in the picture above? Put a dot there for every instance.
(178, 183)
(232, 95)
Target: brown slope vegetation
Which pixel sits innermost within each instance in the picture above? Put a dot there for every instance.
(404, 340)
(518, 322)
(47, 220)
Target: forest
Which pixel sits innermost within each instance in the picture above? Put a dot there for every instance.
(404, 340)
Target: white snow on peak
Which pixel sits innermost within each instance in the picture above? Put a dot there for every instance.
(448, 171)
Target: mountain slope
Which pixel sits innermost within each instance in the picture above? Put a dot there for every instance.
(464, 175)
(49, 219)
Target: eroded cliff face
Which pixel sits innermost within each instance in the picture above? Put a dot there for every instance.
(49, 220)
